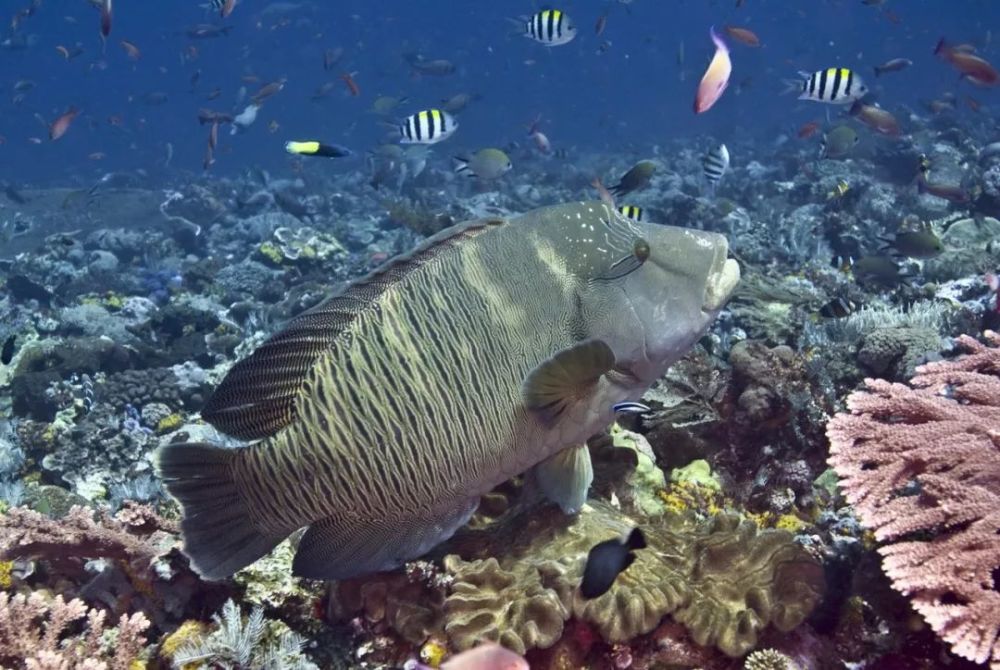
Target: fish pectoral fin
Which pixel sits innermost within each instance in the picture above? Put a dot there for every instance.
(550, 388)
(341, 548)
(565, 478)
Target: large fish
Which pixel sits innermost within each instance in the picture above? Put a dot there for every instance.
(494, 347)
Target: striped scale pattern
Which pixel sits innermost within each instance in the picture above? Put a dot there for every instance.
(417, 406)
(257, 397)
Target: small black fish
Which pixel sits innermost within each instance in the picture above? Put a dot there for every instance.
(838, 308)
(606, 561)
(23, 289)
(7, 352)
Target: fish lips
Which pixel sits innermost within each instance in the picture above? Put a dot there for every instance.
(723, 277)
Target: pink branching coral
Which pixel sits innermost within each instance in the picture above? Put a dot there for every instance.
(41, 634)
(136, 535)
(921, 465)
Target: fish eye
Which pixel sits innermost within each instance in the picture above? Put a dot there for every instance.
(641, 249)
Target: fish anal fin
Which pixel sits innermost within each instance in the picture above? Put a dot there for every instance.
(339, 548)
(565, 477)
(257, 398)
(552, 386)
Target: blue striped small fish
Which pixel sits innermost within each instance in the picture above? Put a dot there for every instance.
(630, 408)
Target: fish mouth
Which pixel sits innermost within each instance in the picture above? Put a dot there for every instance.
(723, 277)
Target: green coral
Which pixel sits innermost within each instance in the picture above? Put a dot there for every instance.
(270, 252)
(722, 578)
(269, 583)
(169, 423)
(699, 473)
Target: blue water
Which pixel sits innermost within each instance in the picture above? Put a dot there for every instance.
(626, 99)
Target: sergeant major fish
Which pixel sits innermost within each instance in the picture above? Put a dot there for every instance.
(715, 164)
(541, 324)
(834, 85)
(550, 27)
(427, 127)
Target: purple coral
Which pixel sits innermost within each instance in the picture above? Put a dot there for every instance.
(921, 466)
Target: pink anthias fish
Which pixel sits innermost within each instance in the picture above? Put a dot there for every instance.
(716, 77)
(487, 656)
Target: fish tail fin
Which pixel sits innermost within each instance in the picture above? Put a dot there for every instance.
(461, 164)
(941, 46)
(794, 85)
(636, 540)
(219, 534)
(878, 71)
(921, 183)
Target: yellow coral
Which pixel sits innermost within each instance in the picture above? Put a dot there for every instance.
(113, 301)
(169, 423)
(6, 574)
(790, 522)
(137, 664)
(432, 653)
(187, 632)
(271, 252)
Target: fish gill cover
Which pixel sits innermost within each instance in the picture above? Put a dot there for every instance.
(296, 290)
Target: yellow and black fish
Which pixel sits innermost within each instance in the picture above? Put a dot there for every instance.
(631, 212)
(550, 27)
(834, 85)
(314, 148)
(427, 127)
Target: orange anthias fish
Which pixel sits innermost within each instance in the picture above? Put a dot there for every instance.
(352, 86)
(876, 118)
(975, 69)
(716, 77)
(947, 191)
(808, 130)
(61, 125)
(743, 36)
(131, 50)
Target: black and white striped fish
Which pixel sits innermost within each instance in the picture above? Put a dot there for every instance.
(427, 127)
(631, 212)
(550, 27)
(715, 164)
(834, 85)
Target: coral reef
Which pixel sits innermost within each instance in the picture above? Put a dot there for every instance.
(920, 465)
(722, 578)
(41, 634)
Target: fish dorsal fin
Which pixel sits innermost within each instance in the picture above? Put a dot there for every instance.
(257, 397)
(558, 381)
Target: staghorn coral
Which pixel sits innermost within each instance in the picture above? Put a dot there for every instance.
(41, 634)
(921, 466)
(721, 578)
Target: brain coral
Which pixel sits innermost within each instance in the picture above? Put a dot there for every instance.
(511, 607)
(721, 578)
